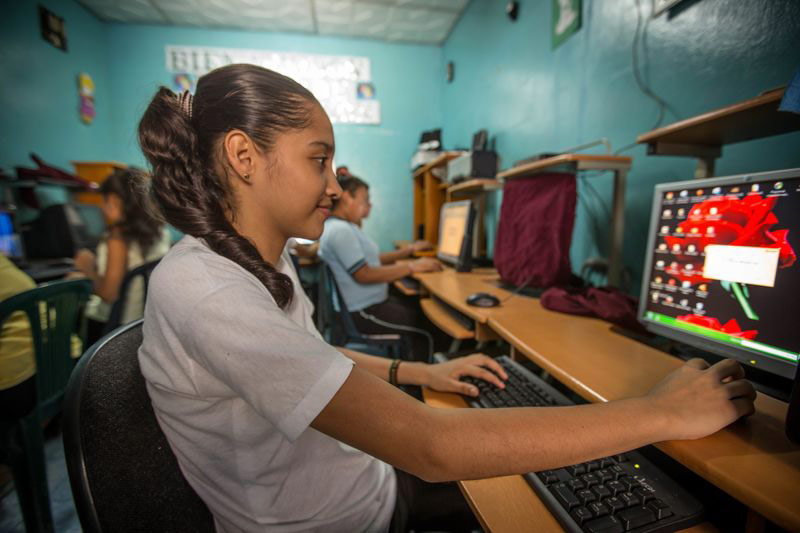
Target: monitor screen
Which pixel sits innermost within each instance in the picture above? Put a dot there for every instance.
(722, 270)
(94, 220)
(10, 245)
(453, 222)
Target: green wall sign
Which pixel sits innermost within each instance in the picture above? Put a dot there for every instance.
(566, 20)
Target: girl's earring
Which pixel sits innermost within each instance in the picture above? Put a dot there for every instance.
(246, 178)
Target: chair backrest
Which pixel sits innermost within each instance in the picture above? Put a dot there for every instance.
(54, 311)
(118, 308)
(123, 474)
(337, 306)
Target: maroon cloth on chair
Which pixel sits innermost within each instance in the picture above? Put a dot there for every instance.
(607, 303)
(535, 230)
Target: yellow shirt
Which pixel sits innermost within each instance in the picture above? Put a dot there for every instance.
(17, 361)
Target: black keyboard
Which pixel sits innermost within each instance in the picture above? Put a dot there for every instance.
(465, 321)
(410, 283)
(625, 492)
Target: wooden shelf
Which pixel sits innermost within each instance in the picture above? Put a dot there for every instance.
(474, 186)
(703, 136)
(440, 160)
(442, 320)
(405, 290)
(576, 161)
(752, 119)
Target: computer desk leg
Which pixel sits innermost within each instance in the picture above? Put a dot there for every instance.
(705, 167)
(617, 229)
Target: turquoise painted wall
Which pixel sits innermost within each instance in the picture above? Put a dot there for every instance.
(39, 87)
(406, 79)
(39, 90)
(709, 54)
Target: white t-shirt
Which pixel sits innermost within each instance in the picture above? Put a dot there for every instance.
(235, 382)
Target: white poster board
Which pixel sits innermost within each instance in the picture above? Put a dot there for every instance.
(342, 84)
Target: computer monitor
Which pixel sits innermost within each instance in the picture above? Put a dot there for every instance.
(721, 270)
(95, 221)
(58, 232)
(456, 221)
(10, 245)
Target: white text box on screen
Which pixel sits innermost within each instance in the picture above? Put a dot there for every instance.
(744, 264)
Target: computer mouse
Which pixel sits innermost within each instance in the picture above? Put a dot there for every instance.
(483, 299)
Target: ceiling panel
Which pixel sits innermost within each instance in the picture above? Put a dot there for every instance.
(421, 21)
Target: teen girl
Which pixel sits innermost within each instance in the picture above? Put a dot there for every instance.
(275, 429)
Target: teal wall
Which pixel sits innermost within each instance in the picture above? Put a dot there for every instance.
(39, 90)
(532, 98)
(39, 87)
(407, 84)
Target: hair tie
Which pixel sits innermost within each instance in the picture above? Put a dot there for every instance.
(185, 100)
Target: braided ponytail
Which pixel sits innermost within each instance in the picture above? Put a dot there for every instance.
(180, 147)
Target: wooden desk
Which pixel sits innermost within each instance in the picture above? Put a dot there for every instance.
(453, 288)
(703, 136)
(577, 162)
(751, 460)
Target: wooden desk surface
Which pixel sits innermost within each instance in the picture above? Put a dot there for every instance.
(752, 460)
(752, 119)
(454, 288)
(594, 161)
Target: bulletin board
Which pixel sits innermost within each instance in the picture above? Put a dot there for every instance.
(342, 84)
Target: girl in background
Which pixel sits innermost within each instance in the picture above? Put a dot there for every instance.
(134, 236)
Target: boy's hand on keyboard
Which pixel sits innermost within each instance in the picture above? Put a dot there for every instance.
(444, 377)
(699, 399)
(425, 264)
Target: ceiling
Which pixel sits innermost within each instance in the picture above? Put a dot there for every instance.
(417, 21)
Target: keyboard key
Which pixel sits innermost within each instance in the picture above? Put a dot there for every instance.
(605, 524)
(565, 496)
(605, 475)
(621, 458)
(628, 498)
(660, 508)
(617, 471)
(591, 466)
(614, 503)
(643, 494)
(590, 479)
(616, 487)
(601, 491)
(629, 482)
(605, 462)
(636, 517)
(576, 470)
(576, 484)
(586, 496)
(581, 515)
(548, 477)
(598, 509)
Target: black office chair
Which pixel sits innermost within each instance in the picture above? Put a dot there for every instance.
(123, 474)
(338, 327)
(115, 316)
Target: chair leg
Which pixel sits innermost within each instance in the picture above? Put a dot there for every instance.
(30, 475)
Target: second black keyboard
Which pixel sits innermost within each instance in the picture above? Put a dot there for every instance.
(625, 492)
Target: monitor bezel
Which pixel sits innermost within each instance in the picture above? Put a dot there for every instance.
(453, 259)
(743, 355)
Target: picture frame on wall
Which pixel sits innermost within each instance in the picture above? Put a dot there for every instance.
(566, 20)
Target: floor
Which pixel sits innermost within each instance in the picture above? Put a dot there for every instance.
(65, 519)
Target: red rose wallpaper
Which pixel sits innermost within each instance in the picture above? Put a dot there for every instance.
(731, 327)
(730, 221)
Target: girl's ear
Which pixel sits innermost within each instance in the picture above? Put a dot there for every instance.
(240, 152)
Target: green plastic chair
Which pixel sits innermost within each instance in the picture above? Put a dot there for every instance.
(55, 312)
